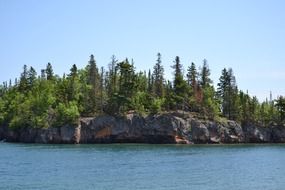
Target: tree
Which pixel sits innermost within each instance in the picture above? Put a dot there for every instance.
(194, 90)
(112, 78)
(150, 83)
(50, 100)
(179, 86)
(126, 81)
(205, 75)
(73, 86)
(192, 76)
(228, 94)
(23, 86)
(93, 79)
(158, 77)
(49, 72)
(170, 103)
(32, 76)
(102, 89)
(280, 105)
(244, 100)
(43, 74)
(122, 101)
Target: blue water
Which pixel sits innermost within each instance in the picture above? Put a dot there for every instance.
(155, 167)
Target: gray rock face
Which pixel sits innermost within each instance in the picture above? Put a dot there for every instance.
(132, 128)
(163, 128)
(200, 133)
(278, 134)
(212, 132)
(256, 134)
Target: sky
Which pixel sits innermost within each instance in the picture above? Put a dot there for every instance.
(246, 35)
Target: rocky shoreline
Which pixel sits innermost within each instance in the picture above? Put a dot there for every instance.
(168, 128)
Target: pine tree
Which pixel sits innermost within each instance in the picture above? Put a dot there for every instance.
(280, 105)
(43, 74)
(158, 77)
(49, 72)
(93, 79)
(112, 77)
(10, 84)
(73, 91)
(23, 86)
(102, 86)
(126, 85)
(228, 93)
(205, 75)
(179, 84)
(150, 83)
(32, 76)
(192, 76)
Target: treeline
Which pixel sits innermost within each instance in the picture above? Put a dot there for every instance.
(49, 100)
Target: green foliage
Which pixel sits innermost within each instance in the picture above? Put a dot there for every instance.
(127, 86)
(205, 75)
(67, 113)
(210, 103)
(179, 85)
(280, 105)
(49, 72)
(158, 78)
(140, 102)
(228, 94)
(93, 79)
(49, 100)
(156, 105)
(192, 76)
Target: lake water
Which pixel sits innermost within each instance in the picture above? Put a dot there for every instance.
(133, 166)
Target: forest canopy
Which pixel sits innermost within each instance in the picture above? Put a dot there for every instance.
(48, 100)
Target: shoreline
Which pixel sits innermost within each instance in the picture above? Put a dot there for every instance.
(166, 128)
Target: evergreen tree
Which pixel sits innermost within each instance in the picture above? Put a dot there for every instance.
(228, 93)
(192, 76)
(126, 85)
(112, 77)
(158, 77)
(43, 74)
(150, 83)
(205, 75)
(23, 86)
(32, 76)
(170, 103)
(10, 84)
(93, 79)
(102, 89)
(179, 84)
(49, 72)
(73, 86)
(280, 105)
(51, 100)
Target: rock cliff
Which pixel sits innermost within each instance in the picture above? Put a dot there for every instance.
(168, 128)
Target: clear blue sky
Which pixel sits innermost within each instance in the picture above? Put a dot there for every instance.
(248, 36)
